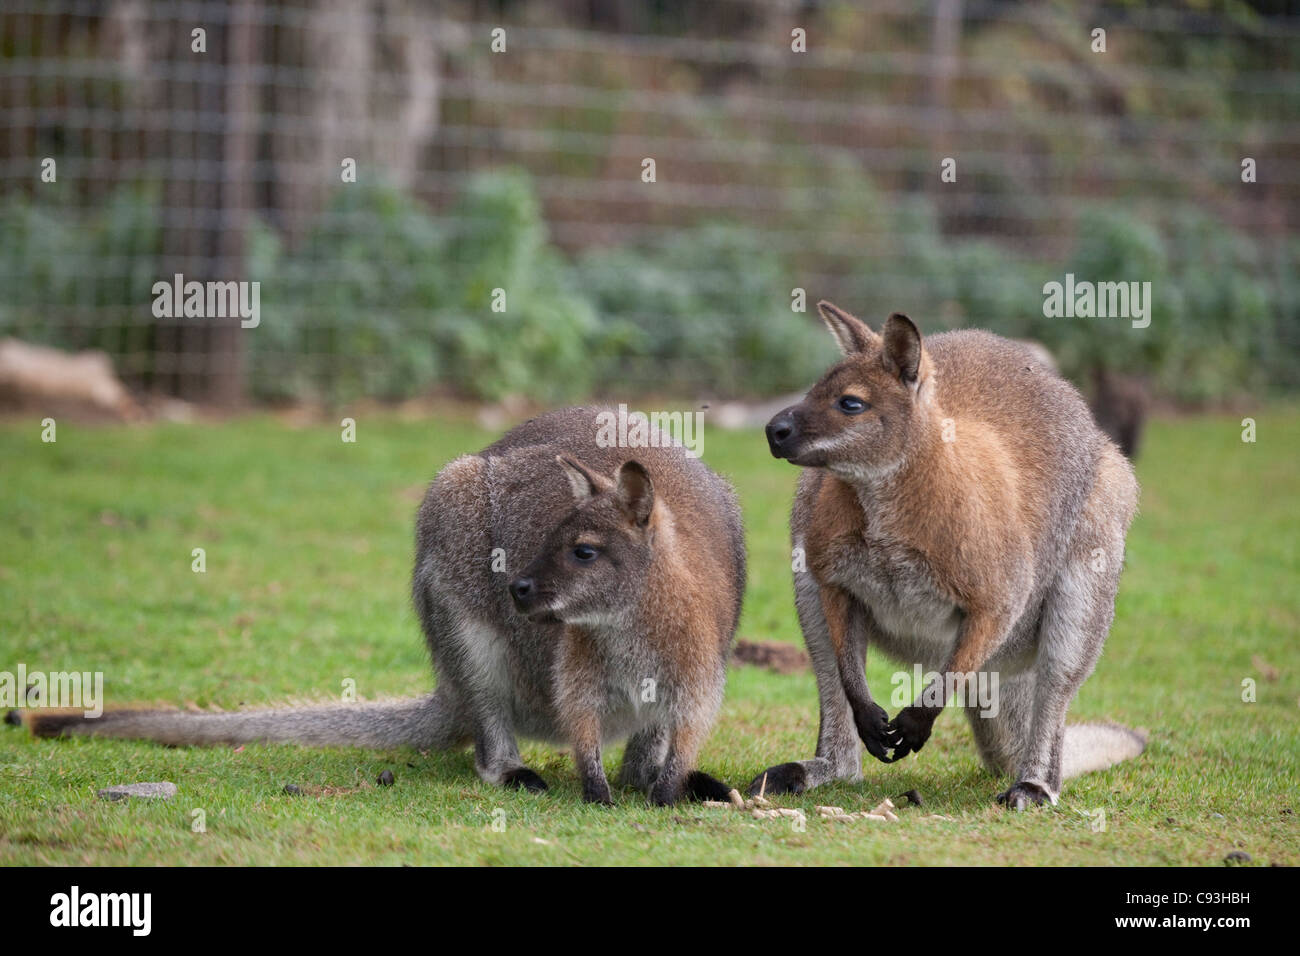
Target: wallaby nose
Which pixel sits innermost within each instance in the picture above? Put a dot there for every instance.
(779, 432)
(521, 589)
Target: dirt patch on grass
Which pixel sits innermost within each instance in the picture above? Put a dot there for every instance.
(776, 657)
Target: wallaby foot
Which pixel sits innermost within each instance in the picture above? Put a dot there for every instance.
(677, 779)
(597, 793)
(800, 775)
(669, 788)
(701, 786)
(664, 795)
(1023, 795)
(524, 779)
(695, 785)
(783, 778)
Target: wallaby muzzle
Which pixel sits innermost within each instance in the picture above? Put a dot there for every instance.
(531, 599)
(783, 433)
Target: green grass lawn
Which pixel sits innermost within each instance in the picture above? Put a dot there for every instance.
(308, 543)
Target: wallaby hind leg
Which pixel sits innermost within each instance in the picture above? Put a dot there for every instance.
(679, 778)
(471, 657)
(1026, 736)
(450, 727)
(1001, 737)
(1076, 618)
(448, 589)
(838, 749)
(643, 764)
(1077, 615)
(496, 754)
(644, 757)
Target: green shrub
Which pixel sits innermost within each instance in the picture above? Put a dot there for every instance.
(382, 299)
(705, 309)
(77, 279)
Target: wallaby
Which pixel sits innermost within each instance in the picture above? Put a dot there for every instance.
(568, 594)
(1120, 404)
(959, 509)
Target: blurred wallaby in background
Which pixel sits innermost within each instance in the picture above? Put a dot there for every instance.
(1120, 404)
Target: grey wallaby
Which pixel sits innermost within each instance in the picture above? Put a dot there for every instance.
(569, 593)
(958, 509)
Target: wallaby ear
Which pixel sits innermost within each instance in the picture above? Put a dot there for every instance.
(636, 493)
(902, 352)
(584, 482)
(851, 333)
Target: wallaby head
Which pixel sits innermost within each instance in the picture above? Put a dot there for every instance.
(590, 568)
(869, 409)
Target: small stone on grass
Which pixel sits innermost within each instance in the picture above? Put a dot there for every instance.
(144, 791)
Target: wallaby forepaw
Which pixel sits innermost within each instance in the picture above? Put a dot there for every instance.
(1024, 795)
(524, 779)
(700, 786)
(783, 778)
(878, 734)
(910, 730)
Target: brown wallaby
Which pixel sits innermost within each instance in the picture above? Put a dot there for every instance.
(567, 593)
(960, 510)
(1120, 404)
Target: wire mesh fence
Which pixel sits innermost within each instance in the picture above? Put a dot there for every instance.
(567, 198)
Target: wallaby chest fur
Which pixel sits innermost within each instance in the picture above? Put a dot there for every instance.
(997, 498)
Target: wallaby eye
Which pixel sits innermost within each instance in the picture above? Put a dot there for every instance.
(852, 405)
(585, 553)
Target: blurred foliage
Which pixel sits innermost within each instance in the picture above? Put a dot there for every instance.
(1122, 167)
(1223, 313)
(77, 280)
(709, 308)
(387, 298)
(384, 299)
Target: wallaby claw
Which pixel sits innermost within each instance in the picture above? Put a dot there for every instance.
(910, 730)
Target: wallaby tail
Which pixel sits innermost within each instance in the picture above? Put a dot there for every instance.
(1090, 747)
(431, 722)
